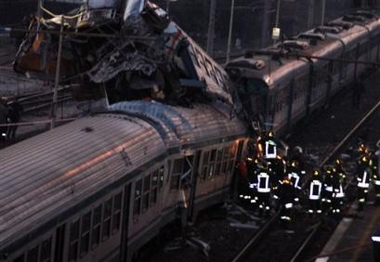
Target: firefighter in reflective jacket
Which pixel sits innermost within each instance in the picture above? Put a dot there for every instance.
(315, 193)
(253, 165)
(327, 189)
(363, 175)
(263, 189)
(376, 176)
(267, 146)
(286, 195)
(338, 183)
(294, 176)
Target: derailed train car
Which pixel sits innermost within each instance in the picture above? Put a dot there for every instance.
(288, 81)
(162, 148)
(100, 187)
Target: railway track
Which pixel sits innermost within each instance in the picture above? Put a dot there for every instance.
(275, 243)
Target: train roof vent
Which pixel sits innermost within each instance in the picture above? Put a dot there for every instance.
(328, 29)
(353, 18)
(312, 36)
(295, 44)
(343, 24)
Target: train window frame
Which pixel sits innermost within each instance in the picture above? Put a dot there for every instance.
(204, 166)
(73, 249)
(96, 225)
(107, 216)
(42, 250)
(219, 161)
(146, 193)
(116, 212)
(85, 231)
(211, 164)
(161, 176)
(155, 180)
(137, 198)
(36, 254)
(177, 170)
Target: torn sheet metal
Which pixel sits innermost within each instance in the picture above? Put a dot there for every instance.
(135, 53)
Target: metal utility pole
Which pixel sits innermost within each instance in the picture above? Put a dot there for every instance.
(57, 72)
(211, 28)
(230, 31)
(278, 12)
(265, 24)
(310, 17)
(323, 12)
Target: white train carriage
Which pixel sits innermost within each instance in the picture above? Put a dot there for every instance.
(99, 188)
(286, 82)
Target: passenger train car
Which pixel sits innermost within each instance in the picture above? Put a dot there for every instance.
(100, 187)
(289, 80)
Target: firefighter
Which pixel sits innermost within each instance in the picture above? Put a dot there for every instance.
(286, 195)
(375, 177)
(267, 146)
(253, 165)
(327, 189)
(293, 173)
(338, 183)
(315, 193)
(263, 189)
(363, 175)
(278, 170)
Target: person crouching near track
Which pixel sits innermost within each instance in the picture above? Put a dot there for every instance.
(315, 193)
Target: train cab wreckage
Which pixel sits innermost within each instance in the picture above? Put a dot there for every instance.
(122, 52)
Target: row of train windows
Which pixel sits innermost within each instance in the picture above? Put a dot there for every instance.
(217, 162)
(147, 190)
(38, 253)
(95, 226)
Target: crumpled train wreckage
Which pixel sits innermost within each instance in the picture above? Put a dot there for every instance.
(122, 51)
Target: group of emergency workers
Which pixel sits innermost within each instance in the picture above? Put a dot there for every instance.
(275, 182)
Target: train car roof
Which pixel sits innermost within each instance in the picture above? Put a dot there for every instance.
(53, 172)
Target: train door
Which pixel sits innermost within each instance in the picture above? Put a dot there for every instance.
(125, 254)
(194, 159)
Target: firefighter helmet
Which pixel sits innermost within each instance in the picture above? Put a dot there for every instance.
(316, 173)
(270, 134)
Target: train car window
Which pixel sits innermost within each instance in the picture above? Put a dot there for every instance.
(116, 213)
(74, 241)
(137, 202)
(20, 258)
(231, 157)
(225, 160)
(85, 234)
(219, 160)
(169, 168)
(32, 255)
(205, 161)
(211, 165)
(96, 226)
(107, 219)
(145, 201)
(45, 254)
(176, 174)
(161, 172)
(154, 190)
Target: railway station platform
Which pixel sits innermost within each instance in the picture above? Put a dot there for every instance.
(352, 239)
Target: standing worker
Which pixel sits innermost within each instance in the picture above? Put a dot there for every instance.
(315, 192)
(15, 109)
(363, 175)
(263, 190)
(286, 195)
(3, 120)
